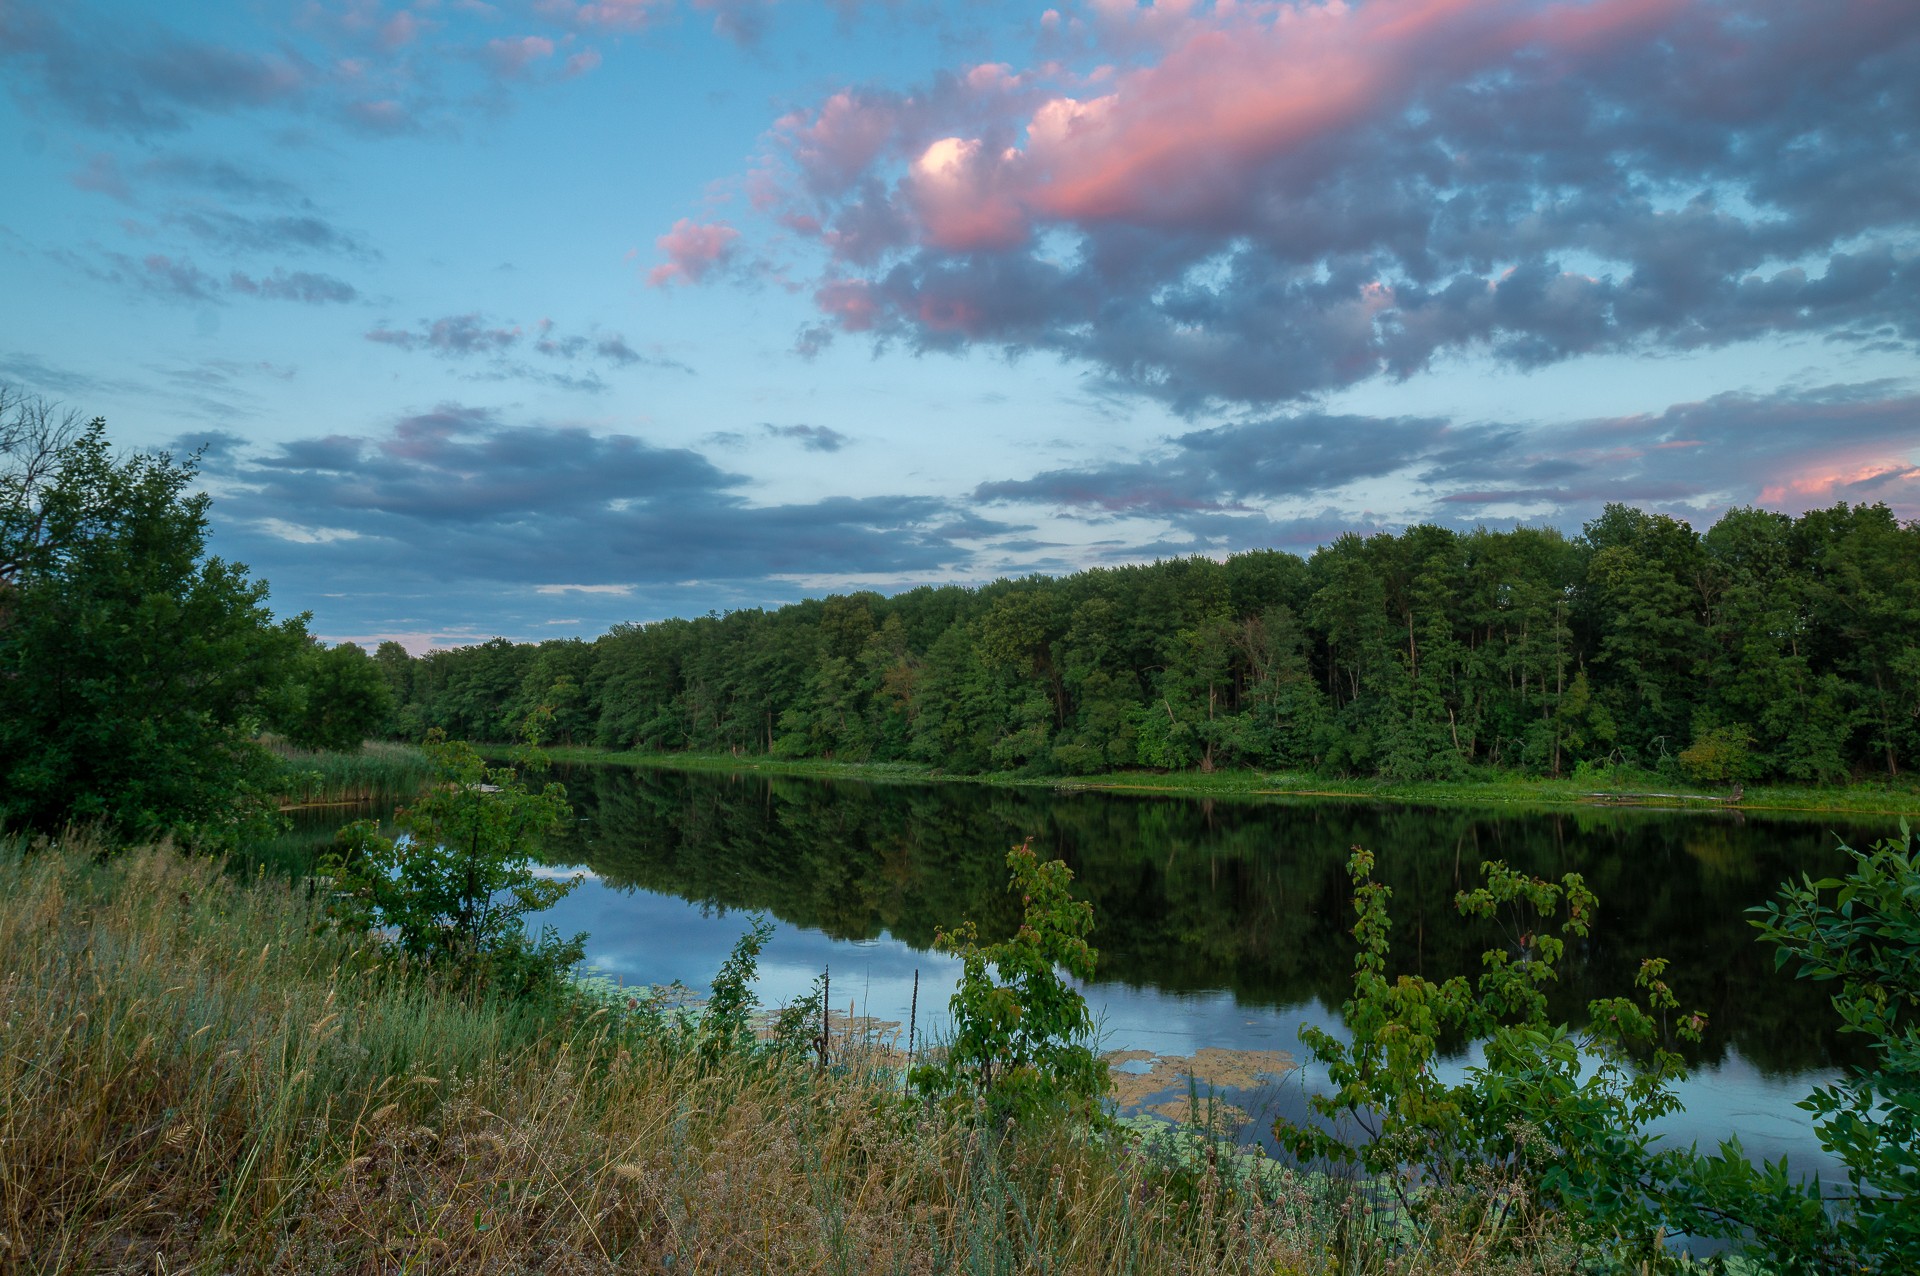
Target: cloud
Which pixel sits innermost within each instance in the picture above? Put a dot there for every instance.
(296, 232)
(299, 285)
(474, 339)
(472, 507)
(1239, 485)
(452, 337)
(134, 79)
(692, 250)
(1261, 203)
(511, 57)
(172, 278)
(814, 438)
(741, 21)
(101, 174)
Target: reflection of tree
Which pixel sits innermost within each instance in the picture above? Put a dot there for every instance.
(1250, 897)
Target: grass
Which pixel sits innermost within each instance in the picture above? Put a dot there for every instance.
(1485, 788)
(378, 770)
(197, 1075)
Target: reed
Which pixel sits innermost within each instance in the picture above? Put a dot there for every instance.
(197, 1075)
(377, 771)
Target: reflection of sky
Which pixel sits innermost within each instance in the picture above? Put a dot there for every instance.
(646, 938)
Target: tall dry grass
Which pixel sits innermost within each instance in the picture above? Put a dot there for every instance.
(196, 1075)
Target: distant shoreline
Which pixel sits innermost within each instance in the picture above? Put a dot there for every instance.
(1857, 799)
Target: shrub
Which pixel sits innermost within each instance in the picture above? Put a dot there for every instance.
(1867, 939)
(454, 889)
(1022, 1035)
(1561, 1112)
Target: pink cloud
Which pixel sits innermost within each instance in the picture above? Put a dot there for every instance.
(840, 140)
(615, 15)
(1235, 88)
(692, 249)
(1843, 478)
(1178, 136)
(512, 56)
(850, 301)
(400, 30)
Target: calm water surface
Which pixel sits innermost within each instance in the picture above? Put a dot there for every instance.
(1220, 922)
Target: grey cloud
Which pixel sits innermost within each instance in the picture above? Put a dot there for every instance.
(1224, 468)
(299, 285)
(814, 438)
(180, 279)
(463, 496)
(1223, 486)
(452, 337)
(135, 80)
(475, 339)
(222, 177)
(300, 232)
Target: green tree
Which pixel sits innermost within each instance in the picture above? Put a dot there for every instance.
(339, 698)
(134, 670)
(1022, 1035)
(455, 888)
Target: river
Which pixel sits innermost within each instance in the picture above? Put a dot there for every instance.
(1220, 922)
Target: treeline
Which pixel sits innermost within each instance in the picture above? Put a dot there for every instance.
(1769, 648)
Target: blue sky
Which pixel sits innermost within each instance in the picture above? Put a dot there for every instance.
(530, 318)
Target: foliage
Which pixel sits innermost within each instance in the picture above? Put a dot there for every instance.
(134, 669)
(1719, 754)
(338, 699)
(455, 887)
(1021, 1034)
(1767, 649)
(1559, 1111)
(1559, 1117)
(726, 1021)
(1867, 940)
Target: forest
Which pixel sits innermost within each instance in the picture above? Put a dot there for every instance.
(1769, 648)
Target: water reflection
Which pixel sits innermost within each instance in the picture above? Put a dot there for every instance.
(1243, 903)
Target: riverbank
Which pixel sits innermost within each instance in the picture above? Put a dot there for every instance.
(197, 1073)
(1517, 791)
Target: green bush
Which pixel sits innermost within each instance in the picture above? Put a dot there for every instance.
(1553, 1120)
(1867, 939)
(454, 889)
(1023, 1041)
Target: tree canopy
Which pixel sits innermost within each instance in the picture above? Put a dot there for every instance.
(1771, 647)
(134, 668)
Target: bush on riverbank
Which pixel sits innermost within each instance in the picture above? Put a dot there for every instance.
(196, 1073)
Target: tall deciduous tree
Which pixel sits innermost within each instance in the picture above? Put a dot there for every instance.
(134, 669)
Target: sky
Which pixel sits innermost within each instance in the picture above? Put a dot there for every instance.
(531, 317)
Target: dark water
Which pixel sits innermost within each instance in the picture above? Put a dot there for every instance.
(1219, 922)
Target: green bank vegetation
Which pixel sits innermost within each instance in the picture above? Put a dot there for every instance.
(1486, 788)
(203, 1073)
(137, 672)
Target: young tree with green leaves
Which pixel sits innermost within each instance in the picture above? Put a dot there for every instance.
(454, 888)
(339, 697)
(1022, 1035)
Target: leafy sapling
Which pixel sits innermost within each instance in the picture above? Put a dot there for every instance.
(455, 888)
(1022, 1035)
